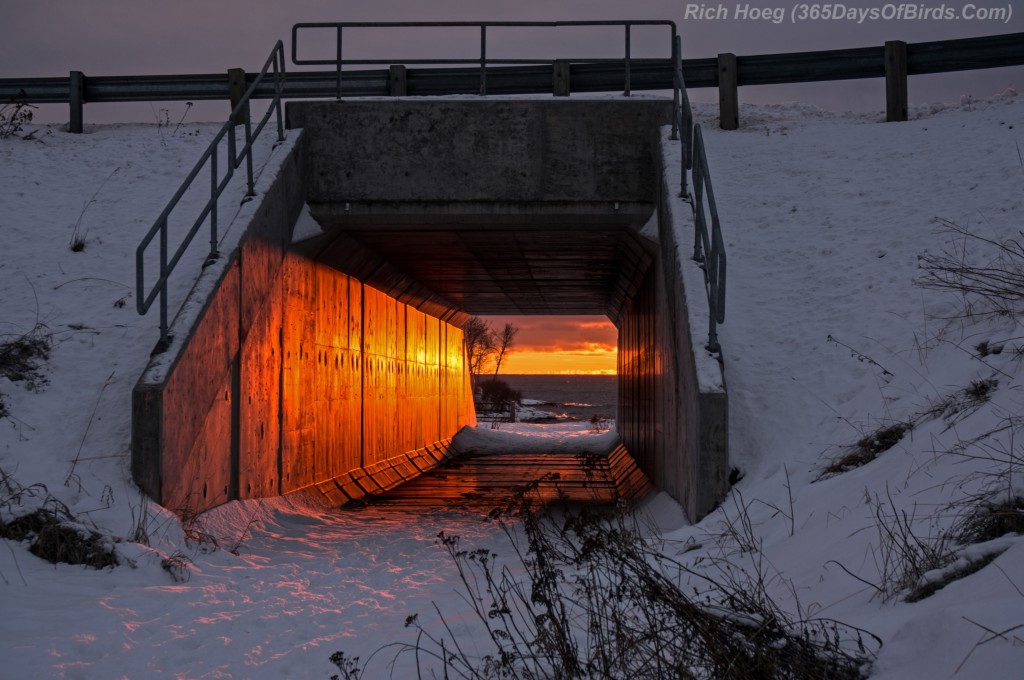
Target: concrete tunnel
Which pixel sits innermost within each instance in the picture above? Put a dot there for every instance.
(328, 353)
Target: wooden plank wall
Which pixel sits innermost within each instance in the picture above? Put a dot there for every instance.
(638, 371)
(364, 377)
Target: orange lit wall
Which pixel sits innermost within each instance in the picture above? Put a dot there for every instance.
(364, 377)
(318, 376)
(283, 373)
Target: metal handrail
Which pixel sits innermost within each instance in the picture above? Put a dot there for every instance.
(339, 61)
(144, 300)
(708, 247)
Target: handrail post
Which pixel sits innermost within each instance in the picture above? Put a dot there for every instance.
(483, 59)
(163, 284)
(213, 201)
(278, 90)
(713, 345)
(676, 101)
(250, 179)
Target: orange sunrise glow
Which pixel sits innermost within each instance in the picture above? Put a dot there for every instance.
(560, 344)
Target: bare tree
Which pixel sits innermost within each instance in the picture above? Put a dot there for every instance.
(479, 344)
(503, 342)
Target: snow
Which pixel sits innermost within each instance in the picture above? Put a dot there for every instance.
(562, 437)
(826, 338)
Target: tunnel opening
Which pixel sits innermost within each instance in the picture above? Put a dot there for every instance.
(342, 311)
(543, 370)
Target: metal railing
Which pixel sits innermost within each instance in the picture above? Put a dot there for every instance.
(939, 56)
(708, 246)
(338, 60)
(274, 65)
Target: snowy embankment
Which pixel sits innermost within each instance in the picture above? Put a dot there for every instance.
(828, 341)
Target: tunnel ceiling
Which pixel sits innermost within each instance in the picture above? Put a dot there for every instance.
(498, 264)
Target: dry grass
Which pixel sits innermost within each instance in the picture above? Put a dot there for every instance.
(867, 448)
(988, 273)
(599, 601)
(930, 587)
(54, 533)
(991, 521)
(55, 538)
(22, 357)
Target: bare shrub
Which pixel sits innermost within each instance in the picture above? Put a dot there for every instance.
(867, 448)
(177, 564)
(22, 356)
(52, 530)
(15, 113)
(995, 496)
(598, 601)
(992, 520)
(992, 283)
(926, 587)
(599, 423)
(195, 531)
(951, 408)
(904, 554)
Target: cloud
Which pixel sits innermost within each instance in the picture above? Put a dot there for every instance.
(561, 344)
(561, 333)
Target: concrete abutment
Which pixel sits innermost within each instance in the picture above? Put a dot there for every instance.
(336, 361)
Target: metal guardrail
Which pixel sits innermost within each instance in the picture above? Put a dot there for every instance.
(765, 69)
(275, 64)
(708, 246)
(338, 61)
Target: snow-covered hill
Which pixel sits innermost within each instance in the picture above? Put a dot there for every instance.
(828, 342)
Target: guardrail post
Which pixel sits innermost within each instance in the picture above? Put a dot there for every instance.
(76, 99)
(236, 90)
(483, 59)
(895, 81)
(629, 84)
(728, 92)
(561, 85)
(398, 84)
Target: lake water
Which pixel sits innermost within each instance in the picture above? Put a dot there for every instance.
(566, 397)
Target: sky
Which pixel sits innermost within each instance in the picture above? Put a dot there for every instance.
(560, 344)
(48, 38)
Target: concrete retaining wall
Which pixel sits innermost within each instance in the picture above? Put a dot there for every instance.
(673, 406)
